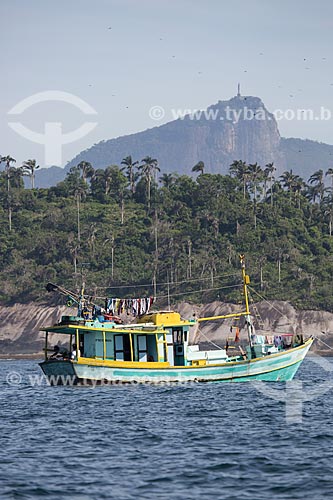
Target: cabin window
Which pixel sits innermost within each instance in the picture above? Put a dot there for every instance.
(122, 348)
(81, 344)
(142, 347)
(178, 336)
(178, 346)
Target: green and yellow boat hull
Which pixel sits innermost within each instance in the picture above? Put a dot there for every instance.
(281, 366)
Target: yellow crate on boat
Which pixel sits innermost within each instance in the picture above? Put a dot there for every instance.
(199, 362)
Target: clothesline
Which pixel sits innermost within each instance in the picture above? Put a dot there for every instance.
(137, 306)
(176, 294)
(167, 282)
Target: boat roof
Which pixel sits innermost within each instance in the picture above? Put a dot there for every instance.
(165, 318)
(111, 327)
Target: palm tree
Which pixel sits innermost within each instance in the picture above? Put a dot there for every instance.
(199, 167)
(9, 173)
(87, 170)
(328, 211)
(79, 193)
(105, 176)
(108, 173)
(129, 166)
(281, 254)
(78, 189)
(288, 181)
(256, 176)
(298, 187)
(329, 202)
(330, 173)
(269, 175)
(149, 168)
(312, 193)
(7, 160)
(167, 180)
(317, 178)
(28, 168)
(240, 170)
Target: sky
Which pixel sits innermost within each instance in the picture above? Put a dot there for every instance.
(124, 57)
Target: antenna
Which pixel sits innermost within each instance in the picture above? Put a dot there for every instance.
(238, 90)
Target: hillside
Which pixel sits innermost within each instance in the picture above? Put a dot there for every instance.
(303, 156)
(22, 337)
(180, 144)
(182, 236)
(178, 239)
(217, 141)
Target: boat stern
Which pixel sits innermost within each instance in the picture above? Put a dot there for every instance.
(59, 372)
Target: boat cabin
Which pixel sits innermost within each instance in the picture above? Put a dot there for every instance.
(161, 337)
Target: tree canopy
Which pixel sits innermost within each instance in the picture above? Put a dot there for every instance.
(122, 226)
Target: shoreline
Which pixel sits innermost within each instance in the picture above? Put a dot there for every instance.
(24, 356)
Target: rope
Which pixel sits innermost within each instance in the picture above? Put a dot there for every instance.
(210, 341)
(188, 292)
(269, 303)
(167, 283)
(256, 311)
(331, 348)
(197, 291)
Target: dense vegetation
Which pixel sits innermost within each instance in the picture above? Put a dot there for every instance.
(133, 225)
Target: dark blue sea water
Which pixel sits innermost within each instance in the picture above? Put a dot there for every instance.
(221, 441)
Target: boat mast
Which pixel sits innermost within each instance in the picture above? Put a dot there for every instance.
(246, 281)
(82, 301)
(246, 313)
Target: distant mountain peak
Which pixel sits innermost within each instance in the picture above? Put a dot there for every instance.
(240, 128)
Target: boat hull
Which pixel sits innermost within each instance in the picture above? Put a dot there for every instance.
(276, 367)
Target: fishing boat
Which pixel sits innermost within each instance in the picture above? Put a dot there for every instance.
(157, 349)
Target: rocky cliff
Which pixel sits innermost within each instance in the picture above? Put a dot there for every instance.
(20, 334)
(276, 317)
(238, 129)
(20, 324)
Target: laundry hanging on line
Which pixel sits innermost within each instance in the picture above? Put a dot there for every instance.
(136, 307)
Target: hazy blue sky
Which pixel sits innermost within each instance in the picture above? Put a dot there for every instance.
(175, 54)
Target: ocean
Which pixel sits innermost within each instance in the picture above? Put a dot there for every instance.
(215, 440)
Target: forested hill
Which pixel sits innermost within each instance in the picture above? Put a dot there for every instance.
(119, 228)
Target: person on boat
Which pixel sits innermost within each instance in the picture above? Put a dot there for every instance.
(85, 313)
(75, 352)
(59, 353)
